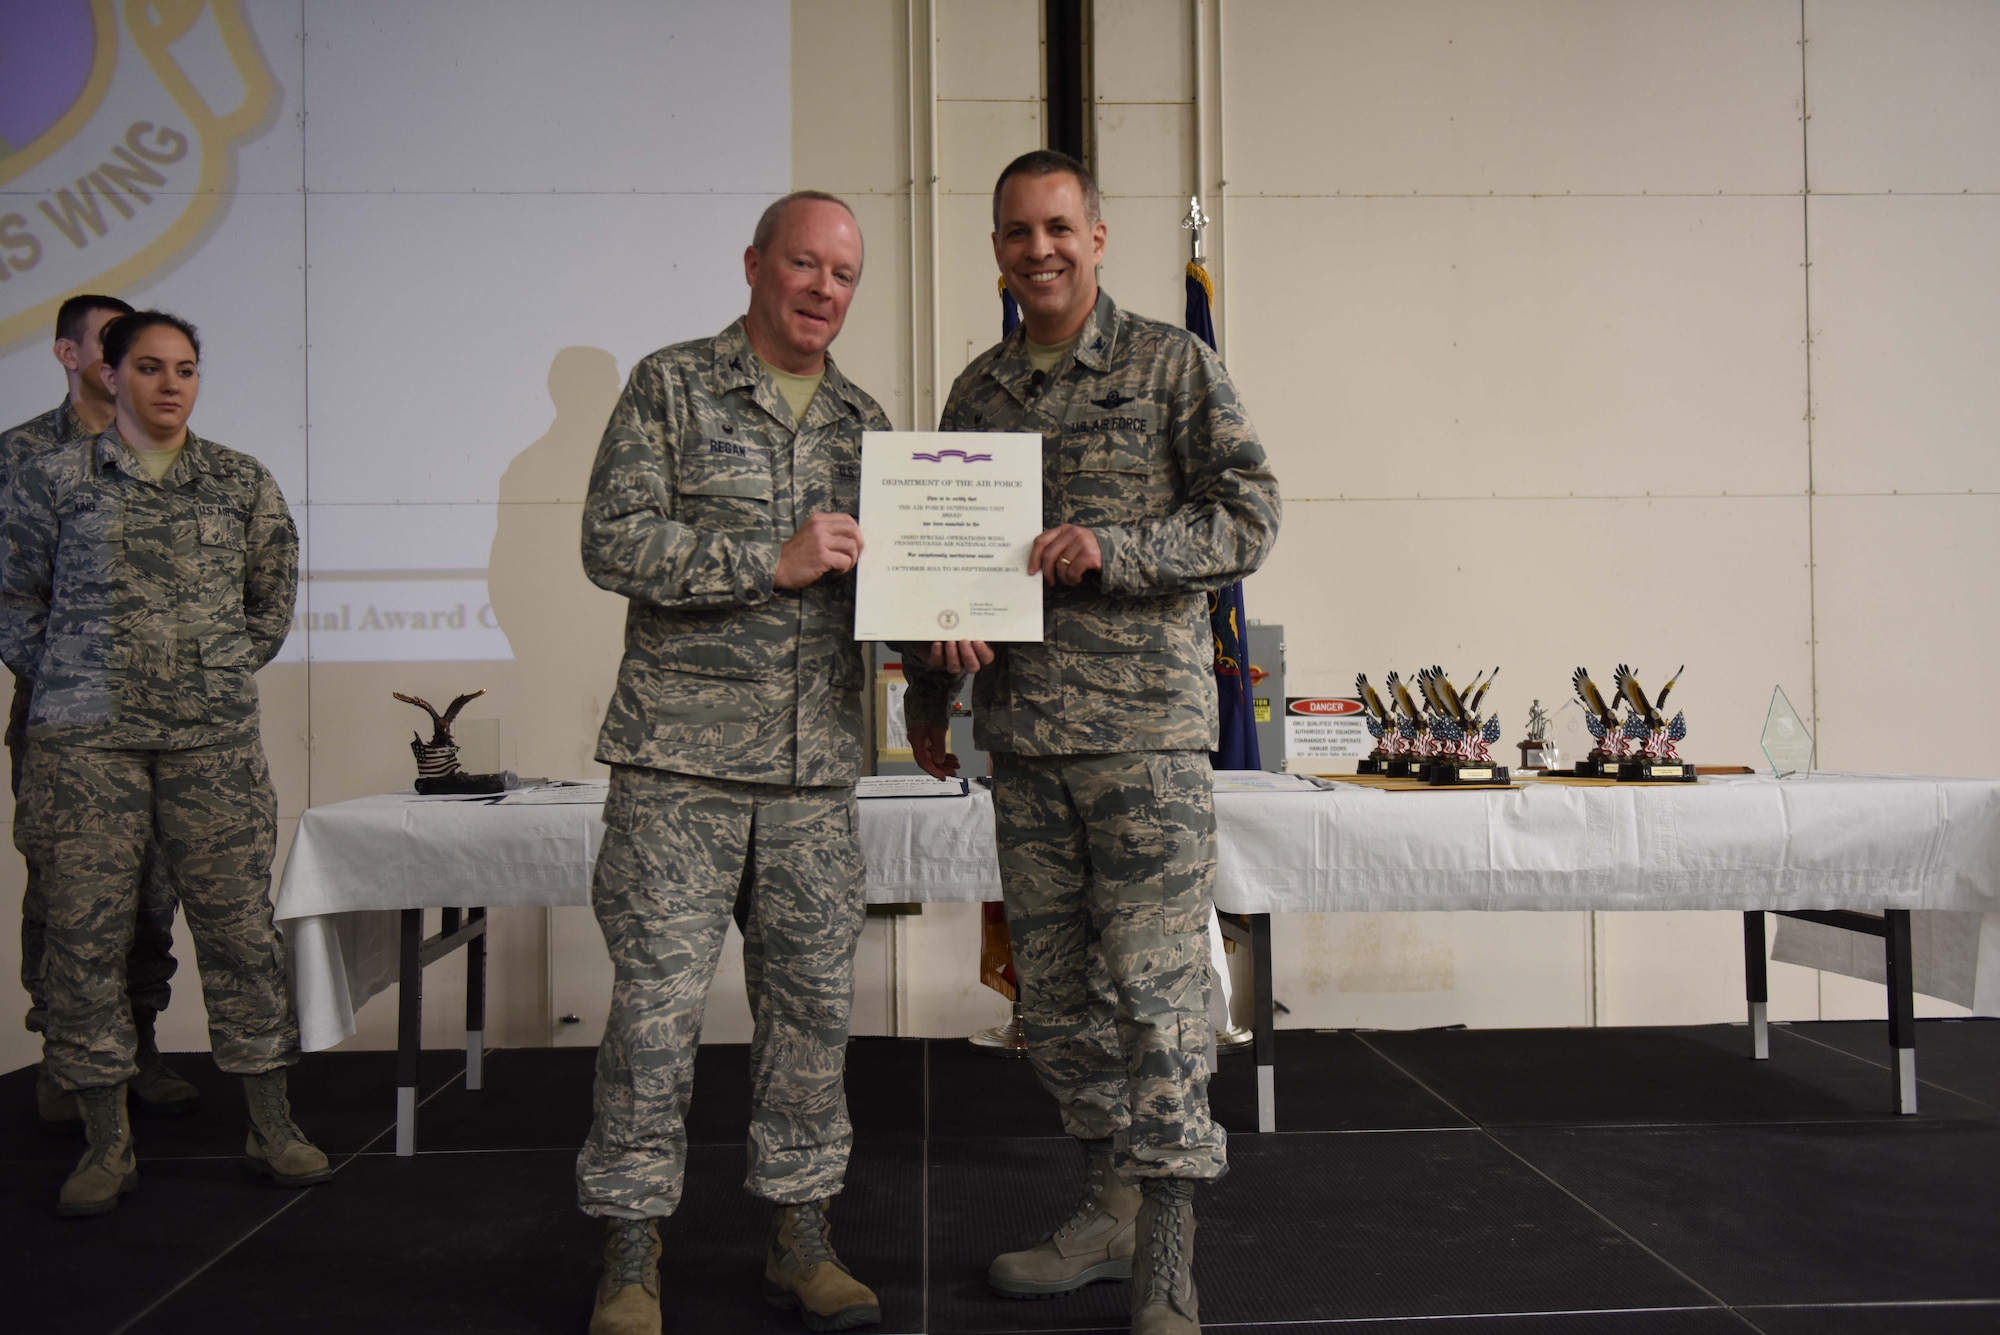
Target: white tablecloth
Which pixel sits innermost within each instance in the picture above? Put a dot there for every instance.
(1823, 842)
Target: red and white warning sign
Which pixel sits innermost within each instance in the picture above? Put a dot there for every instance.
(1325, 727)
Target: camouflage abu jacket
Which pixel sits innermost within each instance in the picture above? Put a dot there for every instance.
(1145, 444)
(56, 427)
(698, 482)
(59, 426)
(140, 609)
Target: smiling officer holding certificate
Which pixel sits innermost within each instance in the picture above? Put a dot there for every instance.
(1155, 491)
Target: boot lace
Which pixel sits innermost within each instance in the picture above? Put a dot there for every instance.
(100, 1117)
(812, 1235)
(1091, 1204)
(1167, 1278)
(271, 1112)
(631, 1247)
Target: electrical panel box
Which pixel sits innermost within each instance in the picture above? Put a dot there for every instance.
(1267, 692)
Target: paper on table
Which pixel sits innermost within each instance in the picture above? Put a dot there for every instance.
(908, 785)
(557, 794)
(947, 520)
(1261, 781)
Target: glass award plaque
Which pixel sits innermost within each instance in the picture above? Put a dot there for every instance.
(1787, 744)
(1569, 736)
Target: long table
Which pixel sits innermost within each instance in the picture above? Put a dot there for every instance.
(1856, 851)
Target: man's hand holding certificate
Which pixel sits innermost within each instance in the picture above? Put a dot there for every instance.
(948, 521)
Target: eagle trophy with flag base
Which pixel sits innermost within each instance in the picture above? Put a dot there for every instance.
(438, 770)
(1462, 736)
(1410, 747)
(1656, 760)
(1641, 746)
(1381, 726)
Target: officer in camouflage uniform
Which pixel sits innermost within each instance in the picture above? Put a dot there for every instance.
(148, 574)
(87, 410)
(722, 505)
(1157, 492)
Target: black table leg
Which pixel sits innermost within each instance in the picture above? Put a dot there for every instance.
(1902, 1007)
(1756, 985)
(1264, 1041)
(409, 1030)
(475, 1006)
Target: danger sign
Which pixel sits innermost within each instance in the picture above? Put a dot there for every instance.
(1322, 727)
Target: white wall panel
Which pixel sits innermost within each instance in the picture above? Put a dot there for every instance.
(976, 141)
(988, 50)
(1419, 970)
(1904, 344)
(850, 104)
(1902, 95)
(1143, 148)
(1146, 254)
(1143, 51)
(940, 974)
(515, 96)
(1526, 97)
(1906, 614)
(1687, 968)
(282, 699)
(1539, 347)
(1539, 587)
(969, 301)
(874, 348)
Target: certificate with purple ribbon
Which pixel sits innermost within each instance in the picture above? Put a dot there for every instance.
(947, 519)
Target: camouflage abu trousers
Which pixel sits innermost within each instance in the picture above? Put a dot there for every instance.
(213, 817)
(1107, 865)
(150, 966)
(676, 852)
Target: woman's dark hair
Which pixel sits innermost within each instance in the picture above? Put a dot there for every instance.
(122, 332)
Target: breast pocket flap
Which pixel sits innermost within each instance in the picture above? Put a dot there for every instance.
(221, 530)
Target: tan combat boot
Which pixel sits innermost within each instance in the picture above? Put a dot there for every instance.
(1163, 1296)
(156, 1089)
(276, 1146)
(801, 1271)
(628, 1297)
(1096, 1242)
(55, 1106)
(107, 1169)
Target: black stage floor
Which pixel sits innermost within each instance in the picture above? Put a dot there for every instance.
(1529, 1182)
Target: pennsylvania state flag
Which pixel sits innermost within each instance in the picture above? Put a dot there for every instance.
(1237, 745)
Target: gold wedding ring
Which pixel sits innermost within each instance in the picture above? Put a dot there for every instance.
(1062, 560)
